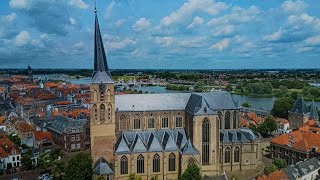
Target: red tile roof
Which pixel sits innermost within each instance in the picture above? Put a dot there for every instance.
(39, 136)
(276, 175)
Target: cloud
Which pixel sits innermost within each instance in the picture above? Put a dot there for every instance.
(165, 41)
(141, 24)
(274, 36)
(9, 18)
(188, 8)
(294, 6)
(120, 22)
(19, 4)
(72, 21)
(168, 41)
(196, 21)
(313, 41)
(305, 19)
(117, 43)
(22, 38)
(78, 3)
(109, 9)
(221, 45)
(224, 31)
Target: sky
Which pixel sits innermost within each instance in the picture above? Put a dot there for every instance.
(166, 34)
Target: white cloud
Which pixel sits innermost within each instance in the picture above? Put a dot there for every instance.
(221, 45)
(196, 21)
(313, 41)
(188, 8)
(141, 24)
(72, 21)
(120, 43)
(9, 18)
(120, 22)
(109, 9)
(306, 19)
(237, 16)
(44, 36)
(274, 36)
(224, 31)
(294, 6)
(192, 42)
(165, 41)
(79, 3)
(19, 4)
(22, 38)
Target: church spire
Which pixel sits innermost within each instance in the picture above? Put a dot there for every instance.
(100, 60)
(101, 72)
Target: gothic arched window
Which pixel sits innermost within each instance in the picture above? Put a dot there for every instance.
(227, 120)
(156, 163)
(95, 112)
(178, 121)
(235, 122)
(102, 112)
(124, 165)
(140, 164)
(109, 112)
(165, 122)
(151, 121)
(236, 154)
(172, 162)
(227, 155)
(123, 123)
(108, 95)
(206, 141)
(136, 122)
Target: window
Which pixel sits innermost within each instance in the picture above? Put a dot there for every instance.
(140, 164)
(123, 123)
(95, 112)
(73, 146)
(205, 141)
(124, 165)
(73, 138)
(78, 146)
(178, 121)
(235, 117)
(13, 158)
(227, 155)
(102, 112)
(136, 122)
(102, 96)
(227, 120)
(109, 112)
(18, 158)
(151, 121)
(156, 163)
(78, 137)
(237, 154)
(172, 162)
(165, 122)
(247, 161)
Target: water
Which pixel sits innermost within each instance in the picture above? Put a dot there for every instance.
(264, 103)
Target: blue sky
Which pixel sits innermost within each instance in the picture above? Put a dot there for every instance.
(166, 34)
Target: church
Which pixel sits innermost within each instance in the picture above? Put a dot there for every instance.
(160, 135)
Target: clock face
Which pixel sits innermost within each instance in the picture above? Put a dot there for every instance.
(102, 87)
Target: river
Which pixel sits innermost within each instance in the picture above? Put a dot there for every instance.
(264, 103)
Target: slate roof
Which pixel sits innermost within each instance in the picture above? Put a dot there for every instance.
(243, 134)
(102, 167)
(189, 149)
(302, 168)
(195, 103)
(101, 77)
(300, 106)
(64, 125)
(151, 141)
(313, 111)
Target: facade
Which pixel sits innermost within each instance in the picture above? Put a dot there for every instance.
(283, 126)
(161, 134)
(304, 170)
(10, 156)
(295, 146)
(300, 113)
(70, 134)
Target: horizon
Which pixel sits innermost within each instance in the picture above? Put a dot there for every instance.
(181, 35)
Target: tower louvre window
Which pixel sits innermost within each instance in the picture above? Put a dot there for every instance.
(102, 112)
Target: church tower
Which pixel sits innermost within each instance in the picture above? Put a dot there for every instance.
(102, 116)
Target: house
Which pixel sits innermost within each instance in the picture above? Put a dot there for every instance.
(303, 170)
(283, 126)
(10, 154)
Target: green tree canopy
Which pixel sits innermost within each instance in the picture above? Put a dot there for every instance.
(269, 169)
(26, 161)
(279, 163)
(281, 106)
(79, 167)
(191, 173)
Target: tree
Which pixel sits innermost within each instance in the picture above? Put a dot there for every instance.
(246, 104)
(15, 139)
(229, 87)
(58, 170)
(269, 169)
(279, 163)
(79, 167)
(271, 123)
(134, 177)
(26, 161)
(44, 162)
(154, 177)
(281, 107)
(191, 173)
